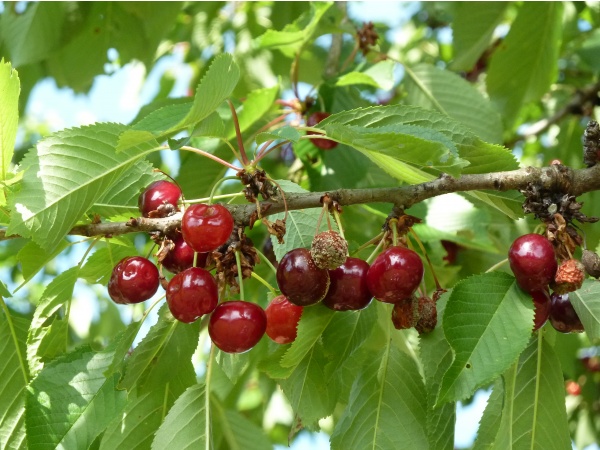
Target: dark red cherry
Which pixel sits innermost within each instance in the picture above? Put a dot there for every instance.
(181, 257)
(348, 288)
(541, 303)
(533, 262)
(314, 119)
(237, 326)
(160, 199)
(206, 227)
(563, 316)
(395, 274)
(191, 294)
(300, 280)
(282, 320)
(133, 280)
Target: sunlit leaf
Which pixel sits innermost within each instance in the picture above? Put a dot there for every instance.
(9, 114)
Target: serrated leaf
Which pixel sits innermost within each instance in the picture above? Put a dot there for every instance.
(64, 176)
(488, 322)
(33, 258)
(212, 126)
(70, 402)
(159, 121)
(286, 133)
(185, 426)
(525, 63)
(490, 421)
(433, 88)
(98, 267)
(238, 432)
(132, 138)
(379, 75)
(586, 302)
(14, 377)
(10, 88)
(386, 408)
(509, 203)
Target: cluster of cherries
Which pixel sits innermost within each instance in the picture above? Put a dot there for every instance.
(533, 262)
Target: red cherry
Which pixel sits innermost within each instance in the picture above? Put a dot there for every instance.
(300, 280)
(563, 316)
(533, 262)
(162, 194)
(314, 119)
(191, 294)
(206, 227)
(282, 320)
(348, 289)
(133, 280)
(541, 303)
(395, 274)
(181, 257)
(237, 326)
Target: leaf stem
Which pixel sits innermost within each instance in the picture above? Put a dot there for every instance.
(216, 185)
(210, 156)
(238, 134)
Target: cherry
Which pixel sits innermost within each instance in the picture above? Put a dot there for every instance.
(314, 119)
(159, 199)
(282, 320)
(237, 326)
(191, 294)
(300, 280)
(563, 316)
(532, 261)
(348, 288)
(541, 303)
(181, 257)
(206, 227)
(133, 280)
(395, 274)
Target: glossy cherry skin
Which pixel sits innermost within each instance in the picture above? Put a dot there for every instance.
(348, 288)
(395, 274)
(563, 316)
(157, 194)
(191, 294)
(206, 227)
(314, 119)
(541, 303)
(133, 280)
(181, 257)
(236, 326)
(300, 280)
(533, 262)
(282, 320)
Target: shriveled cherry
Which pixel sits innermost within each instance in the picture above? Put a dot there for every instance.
(181, 257)
(191, 294)
(300, 280)
(541, 304)
(395, 274)
(133, 280)
(282, 320)
(532, 261)
(206, 227)
(348, 288)
(314, 119)
(159, 199)
(237, 326)
(563, 316)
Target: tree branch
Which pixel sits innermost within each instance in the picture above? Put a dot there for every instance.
(556, 177)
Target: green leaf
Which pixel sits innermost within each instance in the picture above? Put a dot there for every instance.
(430, 87)
(238, 432)
(473, 27)
(33, 258)
(14, 377)
(490, 421)
(588, 51)
(534, 414)
(70, 402)
(379, 75)
(258, 103)
(488, 322)
(9, 115)
(586, 302)
(186, 426)
(64, 176)
(386, 407)
(525, 64)
(159, 121)
(99, 266)
(212, 126)
(286, 133)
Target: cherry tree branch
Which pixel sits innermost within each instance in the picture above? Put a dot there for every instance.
(556, 177)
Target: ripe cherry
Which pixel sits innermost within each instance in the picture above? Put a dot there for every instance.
(206, 227)
(191, 294)
(300, 280)
(348, 288)
(563, 316)
(282, 320)
(395, 274)
(159, 199)
(533, 262)
(181, 257)
(541, 303)
(314, 119)
(237, 326)
(133, 280)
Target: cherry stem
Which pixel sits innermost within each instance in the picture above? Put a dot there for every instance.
(195, 262)
(324, 209)
(422, 247)
(497, 265)
(210, 156)
(266, 260)
(238, 134)
(369, 242)
(294, 74)
(232, 148)
(376, 251)
(336, 216)
(269, 151)
(214, 188)
(264, 282)
(239, 269)
(394, 226)
(264, 147)
(275, 121)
